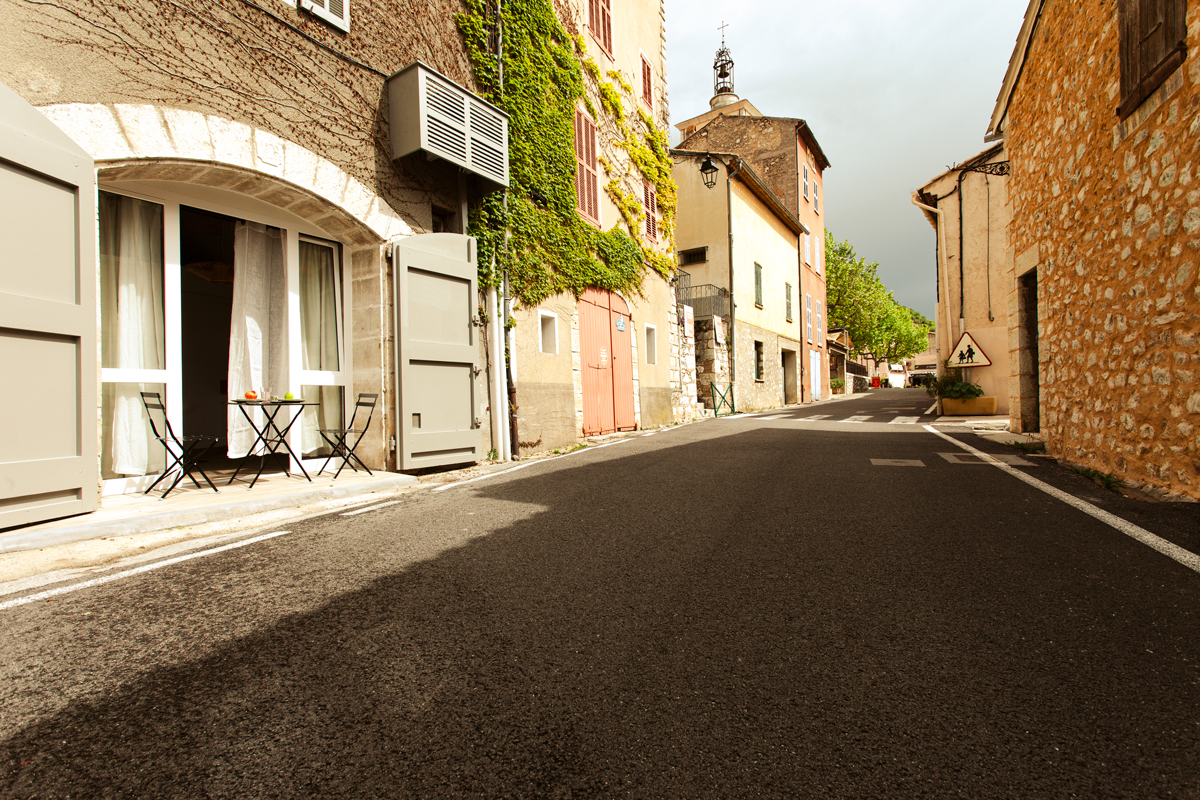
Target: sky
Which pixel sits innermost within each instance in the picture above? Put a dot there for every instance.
(895, 91)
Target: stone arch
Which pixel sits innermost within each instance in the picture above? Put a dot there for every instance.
(146, 142)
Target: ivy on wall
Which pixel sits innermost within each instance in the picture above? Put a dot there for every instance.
(551, 249)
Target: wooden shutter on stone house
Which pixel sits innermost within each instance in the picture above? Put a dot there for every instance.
(650, 204)
(1153, 36)
(647, 83)
(600, 23)
(335, 12)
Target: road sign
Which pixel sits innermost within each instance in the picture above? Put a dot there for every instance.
(967, 353)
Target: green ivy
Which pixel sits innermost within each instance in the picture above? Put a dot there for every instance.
(551, 249)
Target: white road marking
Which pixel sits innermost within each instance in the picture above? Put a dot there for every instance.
(931, 409)
(1012, 459)
(446, 486)
(49, 593)
(858, 418)
(370, 508)
(1172, 551)
(776, 416)
(904, 421)
(897, 462)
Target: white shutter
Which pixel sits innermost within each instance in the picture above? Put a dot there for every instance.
(807, 248)
(335, 12)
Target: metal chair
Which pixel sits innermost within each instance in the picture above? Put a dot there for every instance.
(337, 438)
(184, 454)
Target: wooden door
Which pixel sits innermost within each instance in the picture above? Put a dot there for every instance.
(621, 334)
(595, 351)
(437, 352)
(48, 450)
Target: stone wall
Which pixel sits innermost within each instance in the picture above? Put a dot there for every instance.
(766, 392)
(1107, 216)
(685, 400)
(712, 358)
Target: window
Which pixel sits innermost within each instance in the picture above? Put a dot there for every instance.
(820, 340)
(808, 248)
(758, 361)
(694, 255)
(758, 299)
(1152, 46)
(816, 196)
(787, 292)
(808, 316)
(587, 186)
(600, 23)
(817, 254)
(651, 344)
(647, 83)
(650, 204)
(323, 375)
(806, 181)
(335, 12)
(548, 332)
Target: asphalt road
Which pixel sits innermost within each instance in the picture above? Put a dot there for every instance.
(761, 606)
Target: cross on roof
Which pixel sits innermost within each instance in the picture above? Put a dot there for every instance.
(722, 28)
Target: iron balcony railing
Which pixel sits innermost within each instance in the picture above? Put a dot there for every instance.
(706, 300)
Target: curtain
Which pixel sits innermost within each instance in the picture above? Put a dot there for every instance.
(318, 339)
(258, 333)
(131, 301)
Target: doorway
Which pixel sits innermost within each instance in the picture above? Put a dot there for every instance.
(789, 378)
(606, 356)
(1029, 384)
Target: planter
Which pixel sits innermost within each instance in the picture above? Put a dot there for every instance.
(975, 407)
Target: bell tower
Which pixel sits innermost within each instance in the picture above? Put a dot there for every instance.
(722, 76)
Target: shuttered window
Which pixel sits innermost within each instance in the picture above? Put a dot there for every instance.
(787, 291)
(1152, 46)
(758, 294)
(650, 204)
(805, 172)
(808, 316)
(647, 83)
(600, 23)
(820, 341)
(587, 186)
(335, 12)
(816, 196)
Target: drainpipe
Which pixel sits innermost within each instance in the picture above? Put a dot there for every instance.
(499, 391)
(732, 305)
(941, 251)
(962, 286)
(506, 390)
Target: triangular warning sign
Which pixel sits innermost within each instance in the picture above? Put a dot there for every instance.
(967, 353)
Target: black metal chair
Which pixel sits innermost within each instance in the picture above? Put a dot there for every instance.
(184, 454)
(337, 438)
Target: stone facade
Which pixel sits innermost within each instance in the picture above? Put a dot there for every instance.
(712, 358)
(1106, 238)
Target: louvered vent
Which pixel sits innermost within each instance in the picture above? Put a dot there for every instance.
(430, 112)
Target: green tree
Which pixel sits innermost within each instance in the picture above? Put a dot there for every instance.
(858, 301)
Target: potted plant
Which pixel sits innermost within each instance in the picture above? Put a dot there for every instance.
(958, 397)
(837, 385)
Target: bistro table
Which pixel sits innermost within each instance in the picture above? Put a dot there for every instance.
(271, 435)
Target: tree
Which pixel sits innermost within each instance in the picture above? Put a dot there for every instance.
(858, 301)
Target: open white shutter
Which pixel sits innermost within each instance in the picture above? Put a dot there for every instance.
(335, 12)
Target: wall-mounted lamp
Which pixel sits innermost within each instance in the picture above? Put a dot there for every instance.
(708, 171)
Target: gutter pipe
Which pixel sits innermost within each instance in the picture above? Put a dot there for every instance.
(941, 248)
(732, 305)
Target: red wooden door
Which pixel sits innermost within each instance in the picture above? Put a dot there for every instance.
(621, 335)
(595, 346)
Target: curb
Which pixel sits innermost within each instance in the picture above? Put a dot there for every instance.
(149, 523)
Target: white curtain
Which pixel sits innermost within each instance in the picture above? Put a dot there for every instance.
(131, 269)
(258, 333)
(318, 339)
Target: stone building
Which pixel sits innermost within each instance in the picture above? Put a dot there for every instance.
(968, 208)
(741, 248)
(786, 157)
(1099, 113)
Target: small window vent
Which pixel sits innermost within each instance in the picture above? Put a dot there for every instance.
(695, 255)
(431, 113)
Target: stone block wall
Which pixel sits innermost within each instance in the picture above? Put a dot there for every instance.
(686, 405)
(1111, 212)
(712, 357)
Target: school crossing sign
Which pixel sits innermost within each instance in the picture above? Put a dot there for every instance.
(967, 353)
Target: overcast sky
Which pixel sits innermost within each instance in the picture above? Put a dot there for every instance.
(895, 91)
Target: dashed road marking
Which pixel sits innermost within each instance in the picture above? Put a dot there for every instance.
(897, 462)
(370, 508)
(49, 593)
(1172, 551)
(776, 416)
(1012, 459)
(904, 421)
(859, 418)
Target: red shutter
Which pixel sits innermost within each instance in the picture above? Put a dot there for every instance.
(586, 182)
(650, 203)
(647, 83)
(606, 25)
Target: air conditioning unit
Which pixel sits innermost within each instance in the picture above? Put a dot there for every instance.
(431, 113)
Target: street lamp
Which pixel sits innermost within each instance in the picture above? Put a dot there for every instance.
(708, 171)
